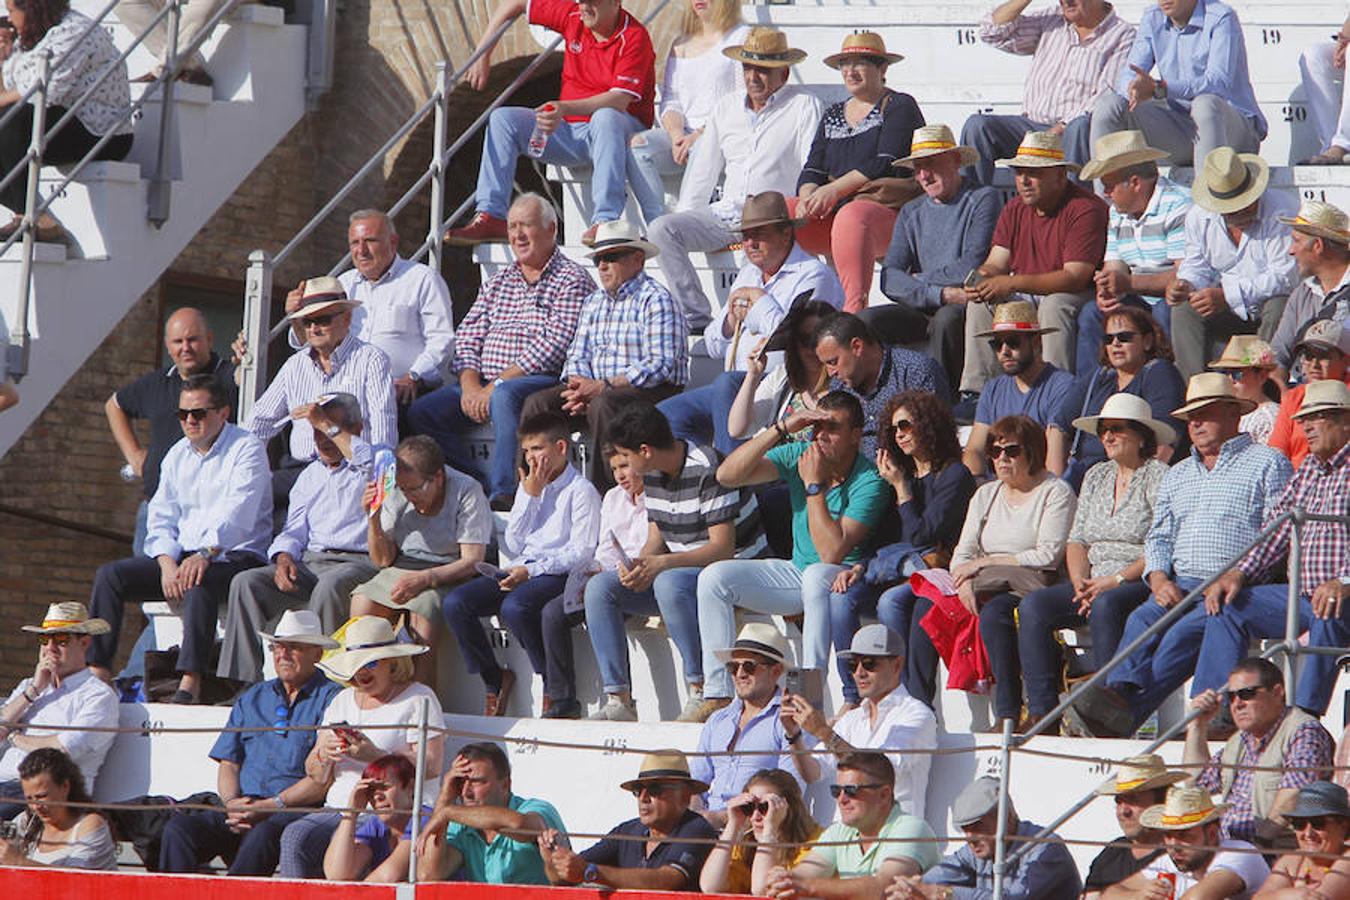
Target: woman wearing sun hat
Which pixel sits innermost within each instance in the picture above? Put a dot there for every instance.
(1321, 822)
(1250, 361)
(377, 669)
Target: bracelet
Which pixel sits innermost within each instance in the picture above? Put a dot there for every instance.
(794, 738)
(778, 427)
(31, 700)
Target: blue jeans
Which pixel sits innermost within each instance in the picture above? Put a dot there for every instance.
(193, 838)
(1164, 663)
(770, 586)
(520, 609)
(601, 143)
(304, 842)
(647, 164)
(672, 595)
(1043, 612)
(1091, 322)
(997, 137)
(1258, 612)
(439, 416)
(700, 414)
(893, 606)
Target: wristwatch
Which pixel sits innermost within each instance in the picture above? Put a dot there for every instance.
(814, 488)
(281, 804)
(591, 874)
(332, 431)
(208, 553)
(497, 382)
(1160, 90)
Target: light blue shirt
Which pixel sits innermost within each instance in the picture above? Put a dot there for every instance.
(1257, 268)
(1205, 517)
(762, 739)
(221, 498)
(325, 512)
(1208, 55)
(556, 532)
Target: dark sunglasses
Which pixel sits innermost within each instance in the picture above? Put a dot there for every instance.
(321, 321)
(852, 790)
(59, 640)
(1245, 693)
(1113, 429)
(1120, 337)
(1012, 451)
(655, 789)
(197, 413)
(866, 663)
(757, 806)
(1318, 823)
(998, 343)
(904, 425)
(607, 258)
(749, 666)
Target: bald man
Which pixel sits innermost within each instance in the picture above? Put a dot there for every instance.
(154, 396)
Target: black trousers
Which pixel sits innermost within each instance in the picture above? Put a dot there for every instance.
(68, 145)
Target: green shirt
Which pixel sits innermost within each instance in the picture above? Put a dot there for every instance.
(864, 497)
(505, 860)
(849, 860)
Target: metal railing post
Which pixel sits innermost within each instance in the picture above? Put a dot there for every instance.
(423, 714)
(1001, 831)
(257, 314)
(160, 188)
(1291, 626)
(18, 357)
(438, 162)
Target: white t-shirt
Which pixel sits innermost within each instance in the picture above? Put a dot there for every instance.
(1250, 867)
(401, 710)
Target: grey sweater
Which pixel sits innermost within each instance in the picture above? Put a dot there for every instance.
(935, 245)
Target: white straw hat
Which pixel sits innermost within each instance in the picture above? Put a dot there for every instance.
(367, 639)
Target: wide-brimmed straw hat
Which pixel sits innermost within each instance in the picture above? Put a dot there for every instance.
(862, 45)
(1246, 351)
(1185, 807)
(765, 46)
(324, 292)
(767, 208)
(300, 626)
(665, 765)
(68, 618)
(757, 637)
(1016, 317)
(622, 234)
(930, 140)
(1321, 396)
(1211, 387)
(1140, 773)
(1228, 181)
(1038, 150)
(1327, 334)
(367, 639)
(1130, 408)
(1119, 150)
(1320, 220)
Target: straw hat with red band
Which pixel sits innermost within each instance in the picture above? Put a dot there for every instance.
(1146, 772)
(864, 45)
(1016, 317)
(1038, 150)
(1185, 807)
(1321, 220)
(930, 140)
(68, 618)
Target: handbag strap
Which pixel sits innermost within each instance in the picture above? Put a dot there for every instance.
(984, 516)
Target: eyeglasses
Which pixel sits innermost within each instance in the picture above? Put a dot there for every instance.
(1317, 823)
(321, 321)
(1113, 429)
(998, 343)
(1244, 693)
(59, 640)
(196, 413)
(757, 806)
(1012, 451)
(866, 663)
(1120, 337)
(736, 666)
(852, 790)
(370, 666)
(654, 789)
(904, 425)
(604, 259)
(281, 718)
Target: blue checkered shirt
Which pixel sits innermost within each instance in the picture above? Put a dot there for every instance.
(639, 333)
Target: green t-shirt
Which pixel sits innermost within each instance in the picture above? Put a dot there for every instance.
(849, 860)
(863, 497)
(505, 860)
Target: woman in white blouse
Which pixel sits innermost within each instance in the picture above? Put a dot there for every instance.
(54, 834)
(80, 53)
(697, 75)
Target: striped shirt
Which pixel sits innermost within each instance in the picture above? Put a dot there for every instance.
(1204, 517)
(639, 333)
(685, 505)
(1155, 239)
(1067, 72)
(358, 368)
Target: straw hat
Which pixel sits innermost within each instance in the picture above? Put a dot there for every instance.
(1130, 408)
(1038, 150)
(1229, 181)
(1211, 387)
(1245, 351)
(324, 292)
(1185, 807)
(1319, 396)
(930, 140)
(1326, 333)
(300, 626)
(1321, 220)
(1016, 317)
(613, 235)
(665, 765)
(757, 637)
(765, 46)
(367, 639)
(866, 45)
(767, 208)
(68, 618)
(1140, 773)
(1119, 150)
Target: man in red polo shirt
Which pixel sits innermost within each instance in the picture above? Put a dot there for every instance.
(608, 85)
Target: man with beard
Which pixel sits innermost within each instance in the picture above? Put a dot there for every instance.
(1141, 782)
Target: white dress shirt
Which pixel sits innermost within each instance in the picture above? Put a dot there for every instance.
(325, 512)
(800, 272)
(406, 314)
(221, 498)
(556, 532)
(81, 700)
(759, 151)
(1257, 268)
(903, 723)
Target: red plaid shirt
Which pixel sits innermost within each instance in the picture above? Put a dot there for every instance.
(1318, 487)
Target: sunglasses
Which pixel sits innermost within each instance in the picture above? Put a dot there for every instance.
(904, 425)
(1244, 693)
(370, 666)
(1317, 823)
(321, 321)
(1012, 451)
(60, 640)
(1120, 337)
(281, 718)
(749, 666)
(603, 259)
(757, 806)
(196, 414)
(1113, 429)
(852, 790)
(998, 343)
(655, 789)
(866, 663)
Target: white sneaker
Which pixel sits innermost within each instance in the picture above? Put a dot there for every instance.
(615, 710)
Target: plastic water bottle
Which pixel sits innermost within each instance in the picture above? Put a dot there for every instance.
(539, 137)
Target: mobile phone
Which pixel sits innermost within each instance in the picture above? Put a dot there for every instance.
(346, 732)
(618, 548)
(808, 684)
(973, 278)
(489, 570)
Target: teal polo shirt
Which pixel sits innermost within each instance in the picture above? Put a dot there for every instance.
(864, 497)
(505, 860)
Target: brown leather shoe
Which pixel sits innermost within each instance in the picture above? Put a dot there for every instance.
(495, 704)
(196, 76)
(482, 229)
